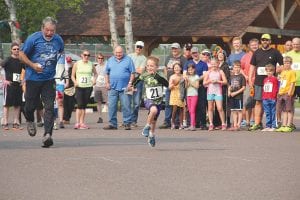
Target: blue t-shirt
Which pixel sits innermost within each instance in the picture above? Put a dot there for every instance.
(119, 72)
(233, 57)
(39, 50)
(200, 67)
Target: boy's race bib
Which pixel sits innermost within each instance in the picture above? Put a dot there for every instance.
(154, 92)
(268, 87)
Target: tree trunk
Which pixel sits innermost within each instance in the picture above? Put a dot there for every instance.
(112, 23)
(12, 21)
(128, 27)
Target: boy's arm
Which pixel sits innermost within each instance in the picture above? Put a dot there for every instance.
(290, 93)
(161, 80)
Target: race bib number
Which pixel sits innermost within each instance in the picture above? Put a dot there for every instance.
(101, 79)
(84, 80)
(16, 77)
(296, 66)
(154, 92)
(268, 87)
(282, 83)
(261, 71)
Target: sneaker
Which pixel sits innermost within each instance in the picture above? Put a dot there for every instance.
(61, 125)
(224, 127)
(77, 126)
(280, 129)
(47, 141)
(243, 123)
(191, 128)
(134, 124)
(255, 127)
(211, 128)
(121, 125)
(100, 120)
(293, 127)
(31, 129)
(146, 131)
(127, 127)
(151, 141)
(266, 129)
(271, 129)
(55, 126)
(279, 124)
(110, 127)
(40, 124)
(164, 126)
(5, 127)
(287, 129)
(83, 127)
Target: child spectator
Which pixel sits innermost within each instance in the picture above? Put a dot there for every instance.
(192, 85)
(285, 99)
(235, 93)
(176, 100)
(214, 79)
(269, 95)
(153, 96)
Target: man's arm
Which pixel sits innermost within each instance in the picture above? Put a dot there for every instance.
(251, 72)
(36, 66)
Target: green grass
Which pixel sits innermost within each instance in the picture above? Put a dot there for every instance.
(297, 104)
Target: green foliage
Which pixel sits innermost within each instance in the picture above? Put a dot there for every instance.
(30, 13)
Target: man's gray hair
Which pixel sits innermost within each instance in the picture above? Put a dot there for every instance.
(50, 20)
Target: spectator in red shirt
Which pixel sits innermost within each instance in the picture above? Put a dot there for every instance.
(269, 95)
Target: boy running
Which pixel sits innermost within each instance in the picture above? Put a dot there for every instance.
(153, 87)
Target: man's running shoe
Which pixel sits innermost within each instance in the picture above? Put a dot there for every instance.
(165, 126)
(243, 123)
(31, 129)
(146, 131)
(47, 141)
(293, 127)
(151, 141)
(255, 127)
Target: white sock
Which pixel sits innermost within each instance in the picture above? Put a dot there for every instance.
(151, 134)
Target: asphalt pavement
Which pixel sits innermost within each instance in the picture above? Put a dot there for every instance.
(98, 164)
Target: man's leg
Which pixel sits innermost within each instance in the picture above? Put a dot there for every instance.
(126, 100)
(136, 99)
(48, 97)
(113, 97)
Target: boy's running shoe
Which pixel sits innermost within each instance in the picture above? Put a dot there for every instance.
(146, 131)
(280, 129)
(151, 141)
(287, 129)
(255, 127)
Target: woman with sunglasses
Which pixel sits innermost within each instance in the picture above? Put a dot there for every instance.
(12, 87)
(82, 74)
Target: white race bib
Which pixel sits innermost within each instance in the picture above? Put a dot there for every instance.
(16, 77)
(154, 92)
(261, 71)
(101, 79)
(268, 87)
(282, 83)
(296, 66)
(83, 79)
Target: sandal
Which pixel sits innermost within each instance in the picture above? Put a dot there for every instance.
(5, 126)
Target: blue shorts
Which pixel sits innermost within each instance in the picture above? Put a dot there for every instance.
(212, 97)
(149, 103)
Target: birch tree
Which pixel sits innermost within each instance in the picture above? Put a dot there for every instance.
(128, 26)
(112, 23)
(13, 21)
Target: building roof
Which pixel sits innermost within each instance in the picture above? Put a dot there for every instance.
(166, 18)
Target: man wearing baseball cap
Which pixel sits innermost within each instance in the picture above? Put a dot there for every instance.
(139, 61)
(261, 57)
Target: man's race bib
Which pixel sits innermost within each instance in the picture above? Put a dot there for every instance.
(261, 71)
(16, 77)
(154, 92)
(296, 66)
(268, 87)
